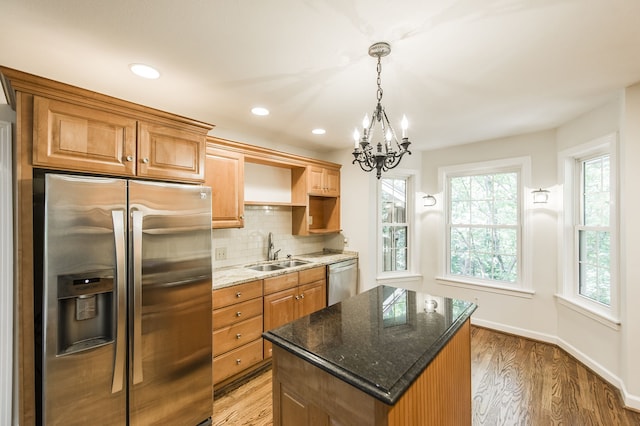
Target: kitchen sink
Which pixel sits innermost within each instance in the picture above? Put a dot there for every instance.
(292, 263)
(265, 268)
(276, 266)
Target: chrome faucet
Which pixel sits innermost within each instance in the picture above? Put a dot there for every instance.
(270, 246)
(271, 255)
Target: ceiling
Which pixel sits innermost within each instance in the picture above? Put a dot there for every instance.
(461, 70)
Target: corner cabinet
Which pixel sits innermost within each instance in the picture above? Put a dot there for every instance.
(71, 136)
(225, 175)
(317, 190)
(323, 181)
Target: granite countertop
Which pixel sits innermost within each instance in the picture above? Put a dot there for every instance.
(379, 341)
(233, 275)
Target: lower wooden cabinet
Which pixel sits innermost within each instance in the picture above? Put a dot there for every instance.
(237, 329)
(241, 313)
(299, 294)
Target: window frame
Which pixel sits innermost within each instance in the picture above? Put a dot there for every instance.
(570, 223)
(520, 165)
(410, 178)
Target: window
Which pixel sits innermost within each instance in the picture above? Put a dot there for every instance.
(589, 237)
(394, 223)
(485, 231)
(593, 234)
(484, 226)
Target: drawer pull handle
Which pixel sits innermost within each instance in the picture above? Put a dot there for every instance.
(238, 361)
(238, 313)
(238, 336)
(238, 294)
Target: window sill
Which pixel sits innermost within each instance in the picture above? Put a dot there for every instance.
(398, 278)
(602, 318)
(491, 288)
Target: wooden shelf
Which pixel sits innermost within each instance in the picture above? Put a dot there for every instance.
(324, 231)
(272, 203)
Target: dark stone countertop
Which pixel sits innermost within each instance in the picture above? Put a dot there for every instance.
(379, 341)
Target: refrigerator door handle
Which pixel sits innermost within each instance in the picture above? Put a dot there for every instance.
(121, 274)
(137, 296)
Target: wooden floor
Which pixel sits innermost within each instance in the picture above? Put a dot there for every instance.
(515, 381)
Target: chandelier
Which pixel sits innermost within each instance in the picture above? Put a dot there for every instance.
(389, 150)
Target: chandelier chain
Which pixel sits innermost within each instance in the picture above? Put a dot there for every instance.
(379, 81)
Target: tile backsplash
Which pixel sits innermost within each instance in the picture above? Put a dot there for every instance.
(249, 244)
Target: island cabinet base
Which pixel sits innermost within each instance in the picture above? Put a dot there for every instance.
(304, 394)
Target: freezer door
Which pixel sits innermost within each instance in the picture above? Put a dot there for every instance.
(80, 380)
(170, 301)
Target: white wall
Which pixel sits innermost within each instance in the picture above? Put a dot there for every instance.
(521, 313)
(629, 248)
(611, 352)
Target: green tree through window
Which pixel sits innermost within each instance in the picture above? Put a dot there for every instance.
(484, 226)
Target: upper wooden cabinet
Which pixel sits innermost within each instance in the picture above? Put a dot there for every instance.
(73, 137)
(323, 181)
(79, 130)
(170, 153)
(225, 175)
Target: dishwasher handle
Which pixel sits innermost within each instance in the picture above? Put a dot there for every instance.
(340, 266)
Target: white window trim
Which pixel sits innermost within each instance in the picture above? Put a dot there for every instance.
(525, 285)
(413, 248)
(568, 291)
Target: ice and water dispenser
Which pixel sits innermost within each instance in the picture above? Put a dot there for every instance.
(86, 314)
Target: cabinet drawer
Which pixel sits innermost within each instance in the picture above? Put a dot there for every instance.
(236, 335)
(281, 282)
(239, 359)
(237, 293)
(310, 275)
(235, 313)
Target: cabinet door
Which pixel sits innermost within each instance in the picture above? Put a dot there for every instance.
(224, 173)
(72, 137)
(316, 184)
(332, 182)
(170, 153)
(279, 309)
(312, 297)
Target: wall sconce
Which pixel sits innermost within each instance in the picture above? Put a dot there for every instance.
(429, 200)
(540, 196)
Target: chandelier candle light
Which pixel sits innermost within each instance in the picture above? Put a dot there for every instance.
(388, 154)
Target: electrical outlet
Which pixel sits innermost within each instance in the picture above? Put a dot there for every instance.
(221, 253)
(310, 220)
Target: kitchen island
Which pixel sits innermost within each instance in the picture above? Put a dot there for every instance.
(383, 357)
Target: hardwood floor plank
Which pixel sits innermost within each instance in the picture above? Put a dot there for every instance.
(515, 381)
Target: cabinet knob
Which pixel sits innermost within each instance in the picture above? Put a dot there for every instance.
(238, 294)
(145, 160)
(302, 296)
(241, 216)
(238, 361)
(129, 157)
(238, 313)
(297, 297)
(238, 336)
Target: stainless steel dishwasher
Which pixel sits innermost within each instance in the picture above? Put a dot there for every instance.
(343, 280)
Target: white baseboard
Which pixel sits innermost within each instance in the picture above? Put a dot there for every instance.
(629, 400)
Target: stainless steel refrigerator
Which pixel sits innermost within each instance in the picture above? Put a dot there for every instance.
(123, 301)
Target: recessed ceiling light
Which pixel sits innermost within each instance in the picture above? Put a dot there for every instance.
(318, 131)
(144, 71)
(259, 111)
